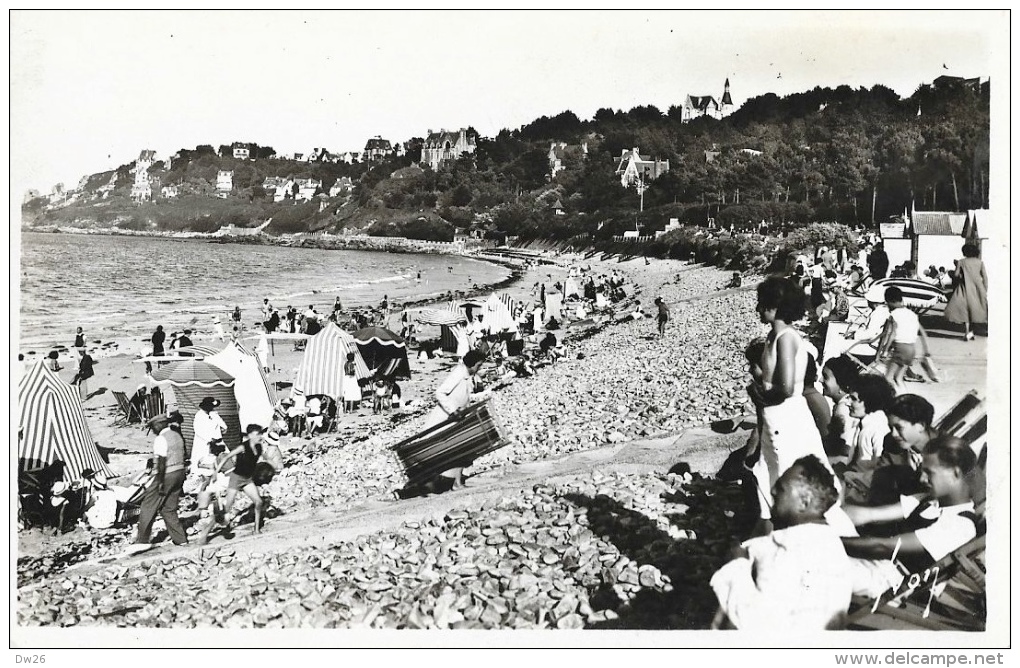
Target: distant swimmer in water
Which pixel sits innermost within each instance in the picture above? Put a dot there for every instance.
(418, 278)
(450, 269)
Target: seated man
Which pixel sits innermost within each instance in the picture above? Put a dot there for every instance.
(795, 577)
(928, 526)
(314, 417)
(296, 412)
(863, 342)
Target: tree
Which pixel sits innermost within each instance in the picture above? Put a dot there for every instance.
(530, 168)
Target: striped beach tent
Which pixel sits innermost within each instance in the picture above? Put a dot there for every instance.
(322, 367)
(508, 301)
(52, 426)
(255, 395)
(498, 316)
(192, 381)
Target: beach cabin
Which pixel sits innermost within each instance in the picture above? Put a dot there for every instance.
(937, 237)
(898, 246)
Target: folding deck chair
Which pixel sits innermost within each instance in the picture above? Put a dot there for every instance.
(125, 409)
(950, 595)
(154, 405)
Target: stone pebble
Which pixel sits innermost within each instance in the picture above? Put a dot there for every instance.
(581, 553)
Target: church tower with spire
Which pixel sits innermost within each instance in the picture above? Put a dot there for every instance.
(726, 103)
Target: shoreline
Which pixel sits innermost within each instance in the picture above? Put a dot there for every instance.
(126, 344)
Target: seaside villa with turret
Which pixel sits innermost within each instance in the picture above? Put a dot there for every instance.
(696, 106)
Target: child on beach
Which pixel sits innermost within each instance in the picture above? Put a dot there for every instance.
(351, 389)
(663, 315)
(838, 375)
(245, 457)
(899, 338)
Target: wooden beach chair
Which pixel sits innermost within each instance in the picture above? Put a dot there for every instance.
(948, 596)
(958, 579)
(455, 442)
(154, 405)
(125, 409)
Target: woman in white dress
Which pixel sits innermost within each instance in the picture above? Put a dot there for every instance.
(788, 430)
(351, 389)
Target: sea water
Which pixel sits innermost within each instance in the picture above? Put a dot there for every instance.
(121, 287)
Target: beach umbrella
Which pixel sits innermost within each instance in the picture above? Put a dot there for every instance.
(255, 395)
(192, 380)
(322, 367)
(52, 426)
(379, 347)
(430, 316)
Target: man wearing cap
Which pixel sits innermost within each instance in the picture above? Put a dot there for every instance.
(164, 492)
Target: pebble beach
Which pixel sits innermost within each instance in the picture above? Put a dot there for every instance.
(600, 512)
(522, 546)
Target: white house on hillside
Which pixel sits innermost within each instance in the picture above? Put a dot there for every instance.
(633, 167)
(307, 188)
(224, 183)
(696, 106)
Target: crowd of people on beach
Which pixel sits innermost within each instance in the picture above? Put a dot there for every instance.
(853, 481)
(850, 472)
(213, 475)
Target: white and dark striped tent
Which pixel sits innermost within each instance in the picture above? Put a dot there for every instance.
(52, 426)
(498, 315)
(322, 367)
(192, 381)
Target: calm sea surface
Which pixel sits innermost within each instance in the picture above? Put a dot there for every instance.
(122, 287)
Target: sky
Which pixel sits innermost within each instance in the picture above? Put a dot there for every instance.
(89, 90)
